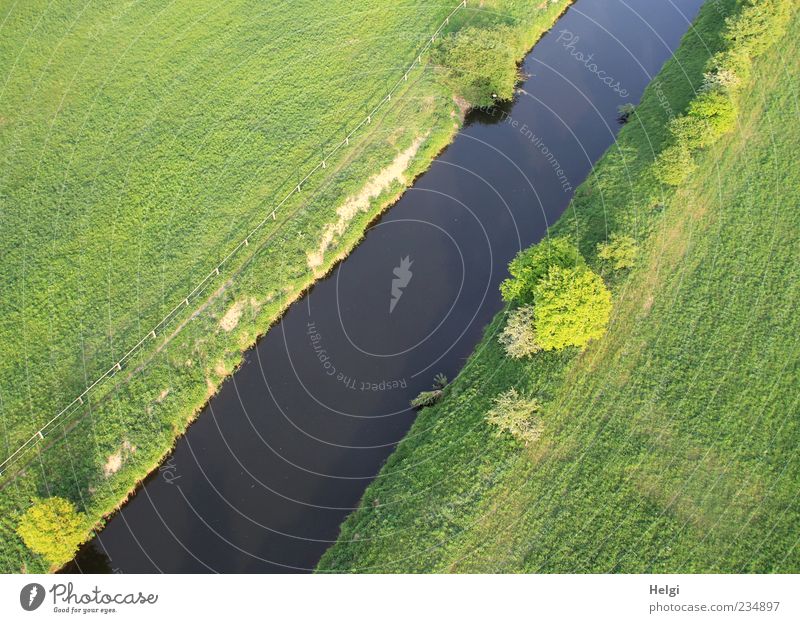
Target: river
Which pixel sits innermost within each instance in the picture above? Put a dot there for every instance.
(279, 457)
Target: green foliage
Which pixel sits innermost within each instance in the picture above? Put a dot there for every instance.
(758, 24)
(674, 165)
(689, 132)
(736, 63)
(427, 398)
(519, 335)
(573, 307)
(532, 264)
(430, 398)
(481, 64)
(620, 251)
(716, 109)
(516, 415)
(53, 528)
(713, 112)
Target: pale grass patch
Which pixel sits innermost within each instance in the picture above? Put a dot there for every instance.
(361, 202)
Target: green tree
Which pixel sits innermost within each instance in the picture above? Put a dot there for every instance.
(759, 23)
(53, 528)
(689, 132)
(573, 307)
(674, 165)
(480, 64)
(517, 415)
(620, 251)
(734, 63)
(716, 109)
(531, 265)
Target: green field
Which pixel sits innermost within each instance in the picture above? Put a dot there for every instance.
(140, 144)
(670, 445)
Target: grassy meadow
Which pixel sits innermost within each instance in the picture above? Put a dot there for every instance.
(670, 445)
(140, 143)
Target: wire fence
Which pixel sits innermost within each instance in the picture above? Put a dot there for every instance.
(186, 301)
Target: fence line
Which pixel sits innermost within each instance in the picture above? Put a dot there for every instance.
(39, 435)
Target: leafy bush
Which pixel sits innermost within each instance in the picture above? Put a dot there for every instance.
(620, 250)
(733, 62)
(757, 25)
(516, 415)
(711, 114)
(727, 71)
(689, 132)
(531, 265)
(573, 307)
(519, 336)
(716, 108)
(674, 165)
(53, 528)
(429, 398)
(481, 64)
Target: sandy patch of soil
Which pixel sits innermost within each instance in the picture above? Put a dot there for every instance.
(231, 317)
(115, 461)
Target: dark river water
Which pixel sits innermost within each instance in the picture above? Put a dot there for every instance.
(276, 461)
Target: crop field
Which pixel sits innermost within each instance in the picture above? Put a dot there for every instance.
(670, 445)
(141, 144)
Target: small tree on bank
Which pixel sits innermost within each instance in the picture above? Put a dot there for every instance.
(531, 265)
(674, 165)
(480, 63)
(573, 307)
(620, 251)
(516, 415)
(53, 528)
(518, 336)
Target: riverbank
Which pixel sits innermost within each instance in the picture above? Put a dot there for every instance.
(130, 427)
(669, 445)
